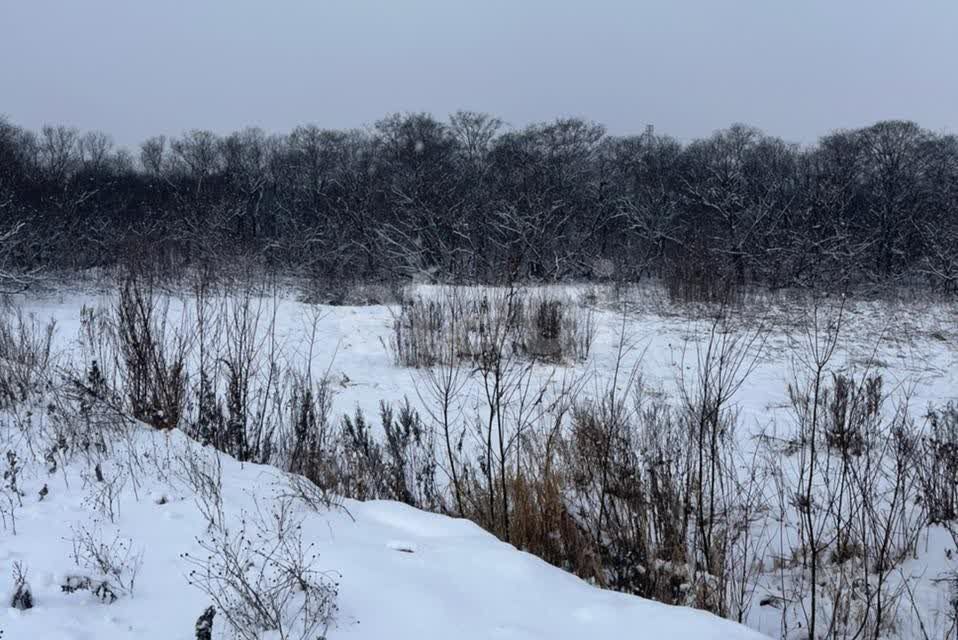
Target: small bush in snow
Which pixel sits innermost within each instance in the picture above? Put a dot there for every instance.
(555, 329)
(937, 465)
(309, 434)
(262, 577)
(26, 356)
(403, 468)
(153, 357)
(11, 497)
(113, 565)
(852, 412)
(421, 331)
(472, 328)
(203, 474)
(22, 595)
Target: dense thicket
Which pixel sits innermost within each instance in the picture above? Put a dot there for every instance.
(469, 199)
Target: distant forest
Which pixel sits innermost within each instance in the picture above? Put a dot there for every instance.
(471, 200)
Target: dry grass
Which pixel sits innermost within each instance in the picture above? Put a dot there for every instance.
(26, 356)
(458, 326)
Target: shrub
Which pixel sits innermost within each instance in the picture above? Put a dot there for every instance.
(113, 565)
(852, 410)
(262, 578)
(555, 329)
(154, 358)
(25, 356)
(22, 594)
(451, 328)
(631, 477)
(410, 458)
(541, 520)
(418, 333)
(310, 431)
(401, 469)
(460, 328)
(937, 465)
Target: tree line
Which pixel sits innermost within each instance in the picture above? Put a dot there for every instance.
(472, 200)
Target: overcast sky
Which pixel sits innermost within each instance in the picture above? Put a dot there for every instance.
(796, 69)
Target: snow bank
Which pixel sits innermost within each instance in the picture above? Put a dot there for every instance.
(402, 573)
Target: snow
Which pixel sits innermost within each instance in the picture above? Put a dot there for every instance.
(913, 345)
(402, 573)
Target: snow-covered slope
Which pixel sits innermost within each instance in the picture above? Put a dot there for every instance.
(401, 573)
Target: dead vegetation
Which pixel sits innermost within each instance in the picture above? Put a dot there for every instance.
(468, 326)
(620, 484)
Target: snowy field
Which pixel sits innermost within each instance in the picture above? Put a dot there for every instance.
(914, 345)
(403, 573)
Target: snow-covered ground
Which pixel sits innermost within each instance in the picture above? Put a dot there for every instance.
(401, 573)
(913, 345)
(404, 573)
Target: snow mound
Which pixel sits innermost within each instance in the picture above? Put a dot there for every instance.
(401, 573)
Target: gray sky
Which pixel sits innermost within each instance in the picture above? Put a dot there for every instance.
(796, 69)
